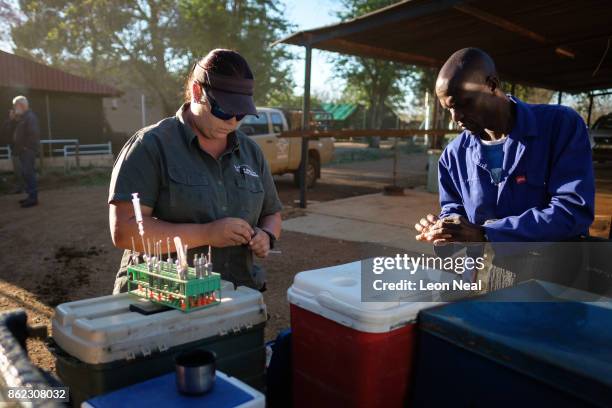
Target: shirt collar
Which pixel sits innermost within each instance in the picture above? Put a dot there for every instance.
(188, 133)
(190, 136)
(525, 123)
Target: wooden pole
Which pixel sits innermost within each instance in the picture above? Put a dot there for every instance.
(76, 153)
(435, 121)
(143, 111)
(590, 110)
(395, 159)
(48, 106)
(305, 125)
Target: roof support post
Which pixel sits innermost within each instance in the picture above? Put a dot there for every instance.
(559, 97)
(590, 109)
(49, 134)
(305, 125)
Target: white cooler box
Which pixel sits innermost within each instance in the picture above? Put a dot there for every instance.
(103, 346)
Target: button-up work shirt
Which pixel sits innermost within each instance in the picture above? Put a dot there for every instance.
(184, 184)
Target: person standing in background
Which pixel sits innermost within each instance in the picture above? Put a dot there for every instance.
(23, 132)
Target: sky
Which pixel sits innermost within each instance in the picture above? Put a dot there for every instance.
(307, 14)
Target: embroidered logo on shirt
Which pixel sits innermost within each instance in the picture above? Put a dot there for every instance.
(521, 179)
(245, 169)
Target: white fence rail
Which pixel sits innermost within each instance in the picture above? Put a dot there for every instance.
(5, 153)
(54, 142)
(88, 149)
(70, 149)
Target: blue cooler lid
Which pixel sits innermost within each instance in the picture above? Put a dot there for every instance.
(162, 391)
(566, 344)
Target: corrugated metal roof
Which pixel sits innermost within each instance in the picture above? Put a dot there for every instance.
(16, 71)
(340, 111)
(555, 44)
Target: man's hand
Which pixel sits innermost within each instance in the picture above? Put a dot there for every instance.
(11, 114)
(230, 232)
(260, 243)
(424, 225)
(454, 229)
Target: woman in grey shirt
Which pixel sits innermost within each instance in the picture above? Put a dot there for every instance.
(200, 178)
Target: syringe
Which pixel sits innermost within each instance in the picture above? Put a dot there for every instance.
(139, 221)
(181, 256)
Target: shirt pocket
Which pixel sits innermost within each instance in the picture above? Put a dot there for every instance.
(251, 195)
(531, 190)
(191, 195)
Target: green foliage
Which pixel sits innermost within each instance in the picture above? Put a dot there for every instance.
(529, 94)
(249, 27)
(125, 43)
(580, 102)
(374, 82)
(291, 101)
(9, 16)
(150, 44)
(602, 105)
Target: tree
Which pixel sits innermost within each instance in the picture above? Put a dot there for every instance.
(249, 27)
(125, 42)
(150, 44)
(373, 82)
(296, 102)
(602, 105)
(9, 16)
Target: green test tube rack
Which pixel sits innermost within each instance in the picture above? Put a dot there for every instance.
(165, 287)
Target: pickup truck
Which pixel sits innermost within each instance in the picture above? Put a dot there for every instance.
(284, 154)
(601, 131)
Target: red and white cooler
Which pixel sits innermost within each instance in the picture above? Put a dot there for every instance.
(348, 353)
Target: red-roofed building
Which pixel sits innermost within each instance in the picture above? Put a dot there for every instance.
(68, 106)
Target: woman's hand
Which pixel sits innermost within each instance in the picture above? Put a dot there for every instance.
(260, 244)
(229, 232)
(221, 233)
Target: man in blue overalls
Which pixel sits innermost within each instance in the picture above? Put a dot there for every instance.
(517, 172)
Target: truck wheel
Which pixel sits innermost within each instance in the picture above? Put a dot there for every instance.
(313, 169)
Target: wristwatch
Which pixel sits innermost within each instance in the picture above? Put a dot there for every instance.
(272, 237)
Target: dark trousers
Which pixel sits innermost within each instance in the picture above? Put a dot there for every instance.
(28, 161)
(19, 183)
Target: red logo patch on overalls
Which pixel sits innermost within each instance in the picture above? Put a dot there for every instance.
(521, 179)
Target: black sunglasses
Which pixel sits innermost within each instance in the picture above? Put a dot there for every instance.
(219, 113)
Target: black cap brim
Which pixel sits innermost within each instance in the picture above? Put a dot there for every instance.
(238, 104)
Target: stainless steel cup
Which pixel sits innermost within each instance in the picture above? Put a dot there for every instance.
(195, 371)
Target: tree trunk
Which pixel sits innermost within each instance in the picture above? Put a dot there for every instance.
(373, 141)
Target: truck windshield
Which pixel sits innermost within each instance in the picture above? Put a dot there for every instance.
(277, 123)
(252, 125)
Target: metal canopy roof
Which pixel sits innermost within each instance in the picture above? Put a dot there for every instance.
(554, 44)
(340, 111)
(20, 72)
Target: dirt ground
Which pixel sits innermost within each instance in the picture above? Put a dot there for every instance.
(61, 251)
